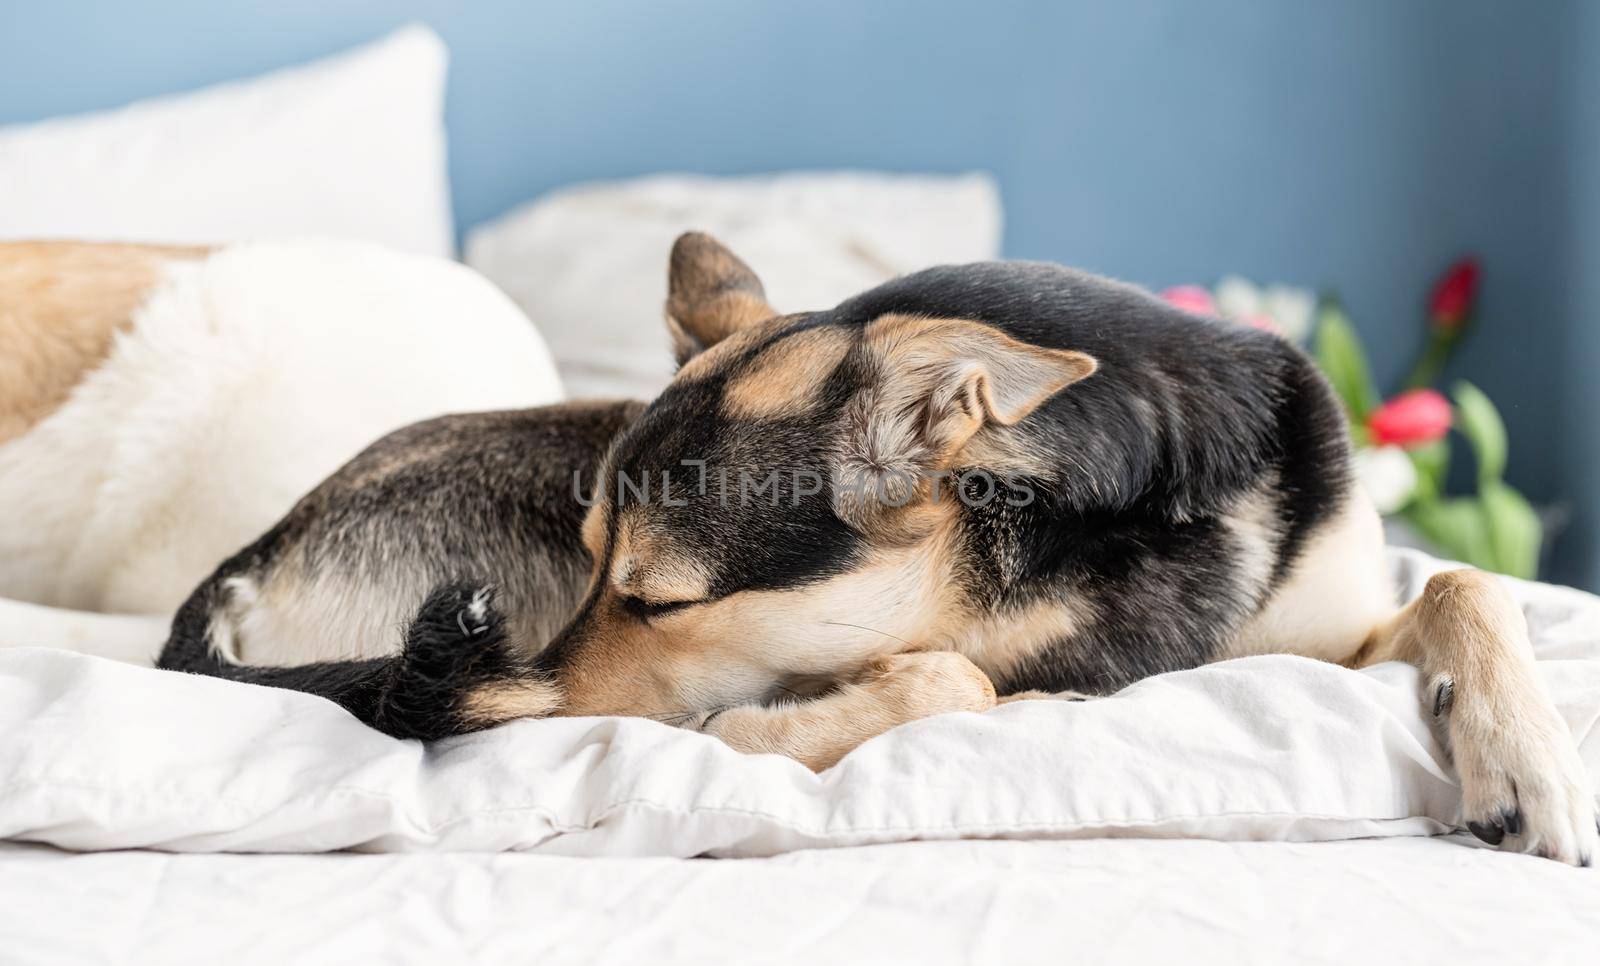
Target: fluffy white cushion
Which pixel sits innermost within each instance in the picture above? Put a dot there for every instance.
(244, 380)
(1269, 747)
(589, 264)
(350, 147)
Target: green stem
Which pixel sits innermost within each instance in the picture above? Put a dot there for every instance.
(1441, 342)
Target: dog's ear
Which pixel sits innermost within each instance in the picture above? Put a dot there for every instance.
(711, 294)
(935, 384)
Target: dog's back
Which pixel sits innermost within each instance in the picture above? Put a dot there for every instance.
(1183, 411)
(1178, 488)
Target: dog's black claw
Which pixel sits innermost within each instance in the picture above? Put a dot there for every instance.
(1584, 861)
(1443, 697)
(1512, 817)
(1493, 834)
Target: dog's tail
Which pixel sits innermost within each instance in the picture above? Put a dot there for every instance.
(457, 671)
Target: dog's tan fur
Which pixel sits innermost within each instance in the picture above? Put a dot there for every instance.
(650, 569)
(1000, 643)
(890, 692)
(727, 651)
(713, 295)
(61, 305)
(943, 380)
(714, 359)
(498, 703)
(788, 378)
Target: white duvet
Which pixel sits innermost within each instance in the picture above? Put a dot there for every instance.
(1426, 901)
(98, 755)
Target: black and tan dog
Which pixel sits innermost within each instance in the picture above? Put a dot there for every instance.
(1014, 473)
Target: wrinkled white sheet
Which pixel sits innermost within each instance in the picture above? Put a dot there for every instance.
(1440, 900)
(97, 755)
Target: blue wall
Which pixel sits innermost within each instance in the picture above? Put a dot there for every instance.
(1361, 144)
(1581, 355)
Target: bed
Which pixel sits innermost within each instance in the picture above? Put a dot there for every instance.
(1402, 900)
(1257, 809)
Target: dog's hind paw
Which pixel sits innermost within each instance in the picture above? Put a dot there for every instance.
(456, 630)
(459, 671)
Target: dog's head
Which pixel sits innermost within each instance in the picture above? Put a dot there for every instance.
(785, 510)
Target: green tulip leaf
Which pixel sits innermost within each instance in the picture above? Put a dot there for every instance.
(1339, 353)
(1481, 424)
(1432, 462)
(1514, 530)
(1497, 530)
(1457, 527)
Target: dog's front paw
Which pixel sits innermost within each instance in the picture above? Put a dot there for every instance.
(1523, 786)
(921, 684)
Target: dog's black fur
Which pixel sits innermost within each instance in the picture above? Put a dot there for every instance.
(1185, 418)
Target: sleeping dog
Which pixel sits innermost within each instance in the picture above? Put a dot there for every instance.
(834, 522)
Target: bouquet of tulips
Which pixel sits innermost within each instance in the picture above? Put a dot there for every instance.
(1403, 445)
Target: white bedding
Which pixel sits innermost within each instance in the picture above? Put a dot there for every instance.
(100, 755)
(1317, 784)
(1441, 900)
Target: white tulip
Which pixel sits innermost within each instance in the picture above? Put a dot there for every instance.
(1238, 299)
(1292, 309)
(1388, 476)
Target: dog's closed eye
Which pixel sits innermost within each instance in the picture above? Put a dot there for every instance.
(648, 609)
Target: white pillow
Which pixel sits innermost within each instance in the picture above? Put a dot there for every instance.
(1260, 748)
(589, 264)
(243, 380)
(350, 147)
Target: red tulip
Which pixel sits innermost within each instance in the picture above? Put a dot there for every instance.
(1454, 294)
(1410, 419)
(1192, 299)
(1265, 323)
